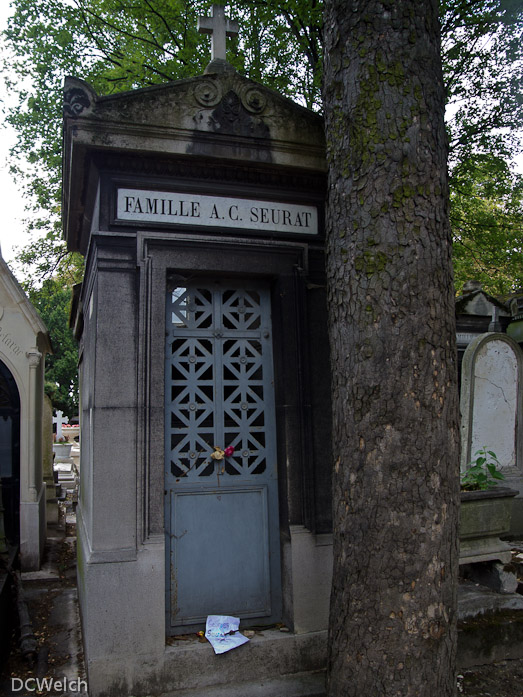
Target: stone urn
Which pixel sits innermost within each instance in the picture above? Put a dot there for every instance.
(484, 517)
(62, 452)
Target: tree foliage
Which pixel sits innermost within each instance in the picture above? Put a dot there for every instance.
(53, 301)
(487, 224)
(123, 44)
(482, 51)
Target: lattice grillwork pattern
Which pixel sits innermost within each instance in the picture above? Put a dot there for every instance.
(219, 370)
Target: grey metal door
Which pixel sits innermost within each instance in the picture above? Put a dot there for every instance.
(221, 512)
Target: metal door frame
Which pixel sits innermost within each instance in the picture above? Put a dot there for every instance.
(271, 610)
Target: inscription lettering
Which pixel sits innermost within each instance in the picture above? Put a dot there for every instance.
(151, 207)
(280, 216)
(7, 341)
(215, 211)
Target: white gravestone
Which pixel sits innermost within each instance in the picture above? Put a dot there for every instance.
(491, 400)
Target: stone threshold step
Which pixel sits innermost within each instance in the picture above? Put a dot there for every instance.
(297, 685)
(268, 655)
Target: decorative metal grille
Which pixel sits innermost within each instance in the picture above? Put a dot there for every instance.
(219, 371)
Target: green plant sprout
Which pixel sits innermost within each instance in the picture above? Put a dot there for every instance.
(482, 473)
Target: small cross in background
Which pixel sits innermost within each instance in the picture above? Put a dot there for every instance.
(60, 420)
(218, 26)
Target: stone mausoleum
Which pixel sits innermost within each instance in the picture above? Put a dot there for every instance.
(204, 370)
(24, 342)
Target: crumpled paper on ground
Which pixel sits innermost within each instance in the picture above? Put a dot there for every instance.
(222, 633)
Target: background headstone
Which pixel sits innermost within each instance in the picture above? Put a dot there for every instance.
(491, 406)
(60, 420)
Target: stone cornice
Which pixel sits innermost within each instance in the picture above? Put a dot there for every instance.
(212, 172)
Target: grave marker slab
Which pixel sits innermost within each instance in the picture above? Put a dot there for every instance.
(492, 407)
(59, 420)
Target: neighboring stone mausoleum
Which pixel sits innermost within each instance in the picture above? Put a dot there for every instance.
(205, 414)
(24, 342)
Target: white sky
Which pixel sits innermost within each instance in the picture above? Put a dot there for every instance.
(12, 232)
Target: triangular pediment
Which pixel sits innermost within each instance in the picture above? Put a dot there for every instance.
(478, 302)
(225, 104)
(15, 307)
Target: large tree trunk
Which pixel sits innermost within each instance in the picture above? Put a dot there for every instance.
(392, 334)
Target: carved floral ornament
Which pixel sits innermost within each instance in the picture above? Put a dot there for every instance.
(76, 101)
(209, 93)
(254, 100)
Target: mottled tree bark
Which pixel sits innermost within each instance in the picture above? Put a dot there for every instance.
(392, 334)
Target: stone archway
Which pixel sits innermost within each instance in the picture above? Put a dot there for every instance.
(24, 342)
(10, 453)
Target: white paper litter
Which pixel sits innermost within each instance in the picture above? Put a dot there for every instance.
(222, 632)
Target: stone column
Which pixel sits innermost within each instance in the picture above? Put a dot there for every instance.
(47, 461)
(32, 495)
(34, 357)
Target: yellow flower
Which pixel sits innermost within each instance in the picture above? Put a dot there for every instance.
(218, 453)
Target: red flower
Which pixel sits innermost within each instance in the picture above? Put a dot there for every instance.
(228, 451)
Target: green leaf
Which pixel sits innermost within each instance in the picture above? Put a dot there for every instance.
(118, 46)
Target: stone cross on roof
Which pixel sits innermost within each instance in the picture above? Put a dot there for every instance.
(219, 27)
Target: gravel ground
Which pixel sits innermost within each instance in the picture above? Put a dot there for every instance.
(503, 679)
(45, 599)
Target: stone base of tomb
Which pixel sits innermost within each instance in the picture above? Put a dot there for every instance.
(127, 652)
